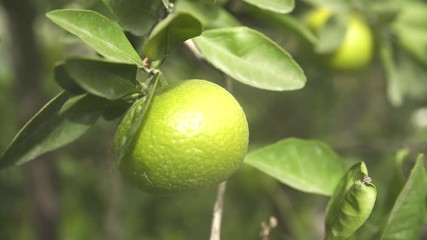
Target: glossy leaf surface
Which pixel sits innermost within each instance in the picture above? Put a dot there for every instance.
(99, 32)
(308, 166)
(251, 58)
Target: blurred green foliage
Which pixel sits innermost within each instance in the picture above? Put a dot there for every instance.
(349, 111)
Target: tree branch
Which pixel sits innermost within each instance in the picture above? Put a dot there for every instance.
(217, 212)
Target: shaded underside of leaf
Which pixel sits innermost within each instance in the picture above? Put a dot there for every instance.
(136, 16)
(251, 58)
(101, 78)
(65, 81)
(308, 166)
(99, 32)
(169, 33)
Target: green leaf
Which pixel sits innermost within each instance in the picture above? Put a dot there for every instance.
(279, 6)
(396, 180)
(64, 80)
(410, 28)
(49, 130)
(406, 219)
(97, 31)
(136, 16)
(169, 33)
(332, 32)
(211, 16)
(84, 103)
(351, 204)
(355, 173)
(104, 79)
(308, 166)
(251, 58)
(115, 110)
(355, 209)
(133, 119)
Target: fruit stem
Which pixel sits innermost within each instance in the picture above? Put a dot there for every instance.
(217, 212)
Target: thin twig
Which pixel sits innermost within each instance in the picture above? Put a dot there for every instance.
(192, 47)
(219, 203)
(217, 212)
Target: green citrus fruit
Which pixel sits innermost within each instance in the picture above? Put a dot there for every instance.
(194, 134)
(356, 49)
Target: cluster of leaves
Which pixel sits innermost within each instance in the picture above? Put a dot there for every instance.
(106, 86)
(121, 79)
(312, 167)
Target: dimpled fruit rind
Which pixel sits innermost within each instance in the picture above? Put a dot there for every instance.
(194, 134)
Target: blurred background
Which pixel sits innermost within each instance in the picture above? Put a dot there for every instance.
(75, 193)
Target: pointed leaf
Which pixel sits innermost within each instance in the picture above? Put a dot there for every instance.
(170, 32)
(49, 130)
(64, 80)
(406, 219)
(211, 16)
(97, 31)
(136, 16)
(104, 79)
(308, 166)
(251, 58)
(279, 6)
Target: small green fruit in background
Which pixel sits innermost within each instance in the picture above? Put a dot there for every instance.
(356, 49)
(194, 134)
